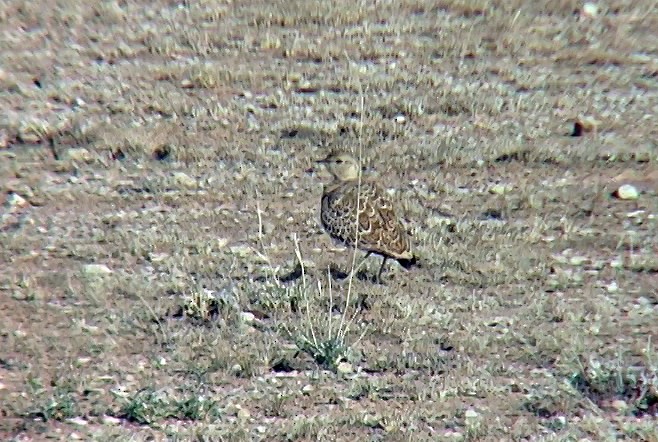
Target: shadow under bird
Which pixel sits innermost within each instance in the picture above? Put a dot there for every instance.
(378, 229)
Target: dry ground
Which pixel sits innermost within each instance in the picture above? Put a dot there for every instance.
(150, 280)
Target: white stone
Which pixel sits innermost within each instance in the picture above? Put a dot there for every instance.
(627, 192)
(96, 269)
(590, 10)
(345, 368)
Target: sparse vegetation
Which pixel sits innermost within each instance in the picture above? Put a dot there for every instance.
(163, 271)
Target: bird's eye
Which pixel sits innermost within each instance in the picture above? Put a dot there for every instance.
(339, 161)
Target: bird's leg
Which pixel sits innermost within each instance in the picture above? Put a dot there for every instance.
(381, 269)
(357, 267)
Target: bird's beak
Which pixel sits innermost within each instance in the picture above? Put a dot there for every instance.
(316, 165)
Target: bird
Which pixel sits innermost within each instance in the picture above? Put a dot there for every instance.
(379, 229)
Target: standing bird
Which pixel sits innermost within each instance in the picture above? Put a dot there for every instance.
(378, 229)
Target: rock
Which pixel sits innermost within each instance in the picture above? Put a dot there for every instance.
(4, 139)
(96, 269)
(247, 317)
(617, 263)
(78, 421)
(499, 189)
(644, 301)
(372, 420)
(77, 154)
(471, 414)
(344, 368)
(626, 192)
(243, 414)
(585, 125)
(184, 180)
(307, 389)
(110, 420)
(32, 133)
(560, 422)
(15, 201)
(158, 257)
(590, 10)
(577, 260)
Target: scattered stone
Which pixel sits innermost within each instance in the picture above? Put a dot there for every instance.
(247, 317)
(78, 421)
(37, 201)
(577, 260)
(307, 389)
(560, 422)
(500, 189)
(644, 301)
(96, 269)
(243, 414)
(183, 179)
(242, 250)
(158, 257)
(345, 368)
(83, 360)
(590, 10)
(15, 201)
(32, 133)
(585, 125)
(372, 420)
(4, 139)
(626, 192)
(110, 420)
(635, 214)
(617, 263)
(77, 154)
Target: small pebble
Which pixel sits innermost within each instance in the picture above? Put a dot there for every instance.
(185, 180)
(590, 10)
(626, 192)
(96, 269)
(344, 368)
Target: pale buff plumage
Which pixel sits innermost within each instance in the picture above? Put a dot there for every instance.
(379, 229)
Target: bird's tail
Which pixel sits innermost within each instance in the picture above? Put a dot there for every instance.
(409, 262)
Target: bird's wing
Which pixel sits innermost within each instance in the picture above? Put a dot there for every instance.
(380, 229)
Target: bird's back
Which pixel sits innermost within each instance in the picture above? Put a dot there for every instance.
(379, 229)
